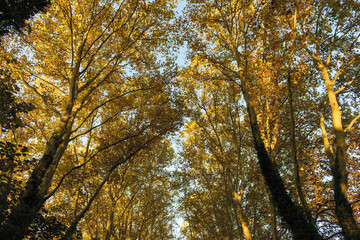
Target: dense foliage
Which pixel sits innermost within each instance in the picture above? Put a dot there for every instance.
(105, 135)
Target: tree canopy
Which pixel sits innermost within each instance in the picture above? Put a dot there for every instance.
(105, 135)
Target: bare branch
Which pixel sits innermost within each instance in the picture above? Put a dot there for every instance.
(352, 123)
(344, 87)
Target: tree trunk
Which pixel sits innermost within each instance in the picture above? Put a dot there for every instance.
(294, 153)
(300, 227)
(242, 217)
(110, 221)
(343, 210)
(290, 212)
(31, 199)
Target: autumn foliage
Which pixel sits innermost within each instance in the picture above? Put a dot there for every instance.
(107, 135)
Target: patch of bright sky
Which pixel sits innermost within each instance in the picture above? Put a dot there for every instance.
(181, 58)
(175, 141)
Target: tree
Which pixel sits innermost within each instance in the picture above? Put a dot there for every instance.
(10, 107)
(270, 96)
(86, 56)
(335, 51)
(134, 204)
(217, 156)
(254, 45)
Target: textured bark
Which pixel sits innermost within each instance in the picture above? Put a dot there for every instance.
(32, 197)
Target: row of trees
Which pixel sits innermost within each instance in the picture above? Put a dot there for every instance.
(270, 96)
(272, 85)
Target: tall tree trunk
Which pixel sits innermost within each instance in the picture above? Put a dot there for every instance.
(32, 198)
(343, 210)
(290, 212)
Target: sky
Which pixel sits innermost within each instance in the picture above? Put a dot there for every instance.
(181, 59)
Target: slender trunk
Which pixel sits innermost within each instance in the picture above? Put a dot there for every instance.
(292, 127)
(228, 199)
(343, 210)
(110, 222)
(238, 224)
(242, 217)
(125, 227)
(294, 154)
(71, 229)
